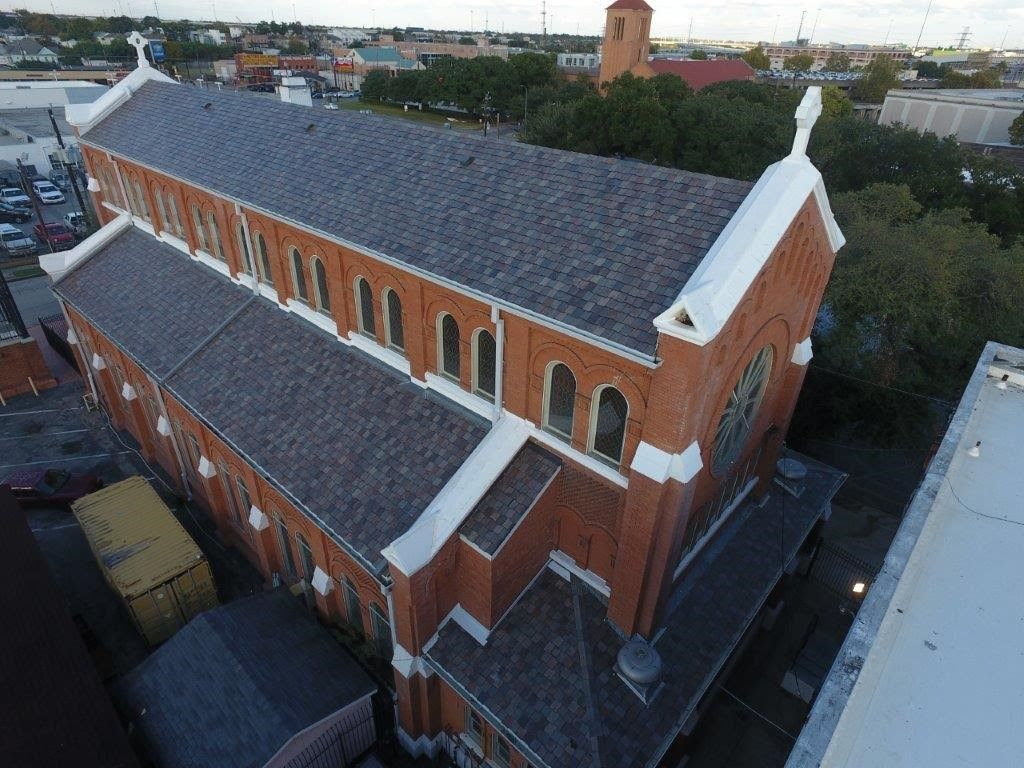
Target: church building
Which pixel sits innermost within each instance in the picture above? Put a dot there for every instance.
(513, 414)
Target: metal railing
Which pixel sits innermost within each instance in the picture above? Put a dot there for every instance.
(835, 569)
(341, 745)
(12, 326)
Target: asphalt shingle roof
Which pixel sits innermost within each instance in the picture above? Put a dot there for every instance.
(512, 495)
(547, 670)
(142, 293)
(598, 244)
(237, 682)
(355, 442)
(54, 710)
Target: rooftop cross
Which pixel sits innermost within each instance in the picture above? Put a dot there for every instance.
(137, 41)
(806, 116)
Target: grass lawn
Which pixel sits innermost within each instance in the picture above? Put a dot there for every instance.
(391, 110)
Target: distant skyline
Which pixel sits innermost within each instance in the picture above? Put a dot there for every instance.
(842, 21)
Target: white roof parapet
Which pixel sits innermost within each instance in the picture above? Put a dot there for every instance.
(56, 265)
(730, 267)
(443, 516)
(85, 116)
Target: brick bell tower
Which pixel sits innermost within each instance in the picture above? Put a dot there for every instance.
(627, 38)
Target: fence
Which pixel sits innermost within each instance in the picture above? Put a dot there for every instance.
(11, 324)
(55, 328)
(838, 571)
(347, 741)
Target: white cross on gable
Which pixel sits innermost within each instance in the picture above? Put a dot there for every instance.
(807, 115)
(137, 41)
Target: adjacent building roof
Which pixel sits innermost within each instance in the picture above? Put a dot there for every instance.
(546, 674)
(54, 710)
(595, 244)
(699, 74)
(238, 682)
(324, 421)
(513, 495)
(629, 5)
(375, 55)
(931, 672)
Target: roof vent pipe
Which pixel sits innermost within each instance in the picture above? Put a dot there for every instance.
(639, 666)
(791, 476)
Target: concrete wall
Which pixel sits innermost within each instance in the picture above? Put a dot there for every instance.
(970, 119)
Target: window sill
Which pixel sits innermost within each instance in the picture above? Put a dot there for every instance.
(270, 293)
(247, 280)
(550, 440)
(212, 263)
(445, 386)
(116, 209)
(319, 320)
(372, 348)
(142, 224)
(177, 242)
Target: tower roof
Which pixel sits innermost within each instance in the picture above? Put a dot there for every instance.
(629, 5)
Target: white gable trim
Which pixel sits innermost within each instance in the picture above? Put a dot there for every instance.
(443, 516)
(85, 116)
(56, 265)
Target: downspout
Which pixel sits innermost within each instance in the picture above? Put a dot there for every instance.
(499, 355)
(87, 363)
(174, 438)
(250, 250)
(386, 589)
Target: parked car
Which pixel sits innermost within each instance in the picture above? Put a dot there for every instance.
(60, 179)
(14, 242)
(15, 196)
(13, 214)
(55, 235)
(50, 487)
(77, 223)
(47, 193)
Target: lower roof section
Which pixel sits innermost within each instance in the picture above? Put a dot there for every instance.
(350, 440)
(546, 674)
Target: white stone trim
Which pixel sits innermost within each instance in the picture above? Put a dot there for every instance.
(128, 392)
(98, 363)
(369, 346)
(454, 392)
(93, 185)
(803, 352)
(310, 315)
(214, 264)
(443, 516)
(470, 625)
(85, 116)
(163, 426)
(61, 263)
(408, 665)
(144, 225)
(258, 519)
(420, 746)
(206, 468)
(659, 465)
(563, 565)
(175, 241)
(270, 293)
(72, 337)
(563, 448)
(321, 582)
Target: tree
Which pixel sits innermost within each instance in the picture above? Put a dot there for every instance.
(798, 62)
(928, 69)
(1017, 130)
(375, 86)
(467, 40)
(837, 61)
(296, 46)
(880, 76)
(757, 58)
(835, 103)
(698, 54)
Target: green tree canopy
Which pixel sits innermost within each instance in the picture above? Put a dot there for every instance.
(698, 54)
(798, 62)
(757, 58)
(880, 76)
(837, 61)
(1017, 130)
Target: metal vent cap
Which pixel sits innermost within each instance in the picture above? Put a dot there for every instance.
(791, 469)
(639, 662)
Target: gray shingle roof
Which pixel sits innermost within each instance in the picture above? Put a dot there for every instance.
(599, 244)
(547, 671)
(512, 495)
(358, 444)
(237, 682)
(142, 293)
(54, 711)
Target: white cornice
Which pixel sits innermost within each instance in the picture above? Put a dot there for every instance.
(59, 264)
(85, 116)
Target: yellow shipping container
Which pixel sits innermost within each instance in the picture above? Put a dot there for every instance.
(147, 557)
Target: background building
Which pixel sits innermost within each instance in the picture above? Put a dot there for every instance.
(972, 116)
(860, 55)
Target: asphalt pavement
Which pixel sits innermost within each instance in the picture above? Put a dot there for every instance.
(34, 298)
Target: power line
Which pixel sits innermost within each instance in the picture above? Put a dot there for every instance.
(938, 400)
(744, 704)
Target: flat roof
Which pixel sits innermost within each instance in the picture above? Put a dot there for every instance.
(932, 672)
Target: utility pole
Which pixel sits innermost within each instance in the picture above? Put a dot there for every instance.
(26, 187)
(801, 27)
(921, 33)
(544, 22)
(71, 175)
(814, 27)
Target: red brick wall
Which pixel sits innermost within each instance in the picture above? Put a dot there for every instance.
(453, 718)
(19, 360)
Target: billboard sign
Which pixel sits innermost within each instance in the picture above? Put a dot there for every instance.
(156, 47)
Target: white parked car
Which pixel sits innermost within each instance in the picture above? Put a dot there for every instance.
(47, 192)
(15, 196)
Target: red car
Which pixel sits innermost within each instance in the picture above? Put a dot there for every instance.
(55, 235)
(50, 487)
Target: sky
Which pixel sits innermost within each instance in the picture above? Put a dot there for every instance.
(843, 21)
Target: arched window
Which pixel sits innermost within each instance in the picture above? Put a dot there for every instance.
(353, 609)
(141, 198)
(266, 274)
(161, 209)
(394, 331)
(306, 553)
(323, 294)
(448, 346)
(609, 411)
(483, 363)
(740, 412)
(172, 207)
(218, 251)
(298, 276)
(559, 400)
(381, 627)
(197, 220)
(243, 249)
(287, 557)
(364, 308)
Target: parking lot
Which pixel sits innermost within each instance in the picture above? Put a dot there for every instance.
(51, 213)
